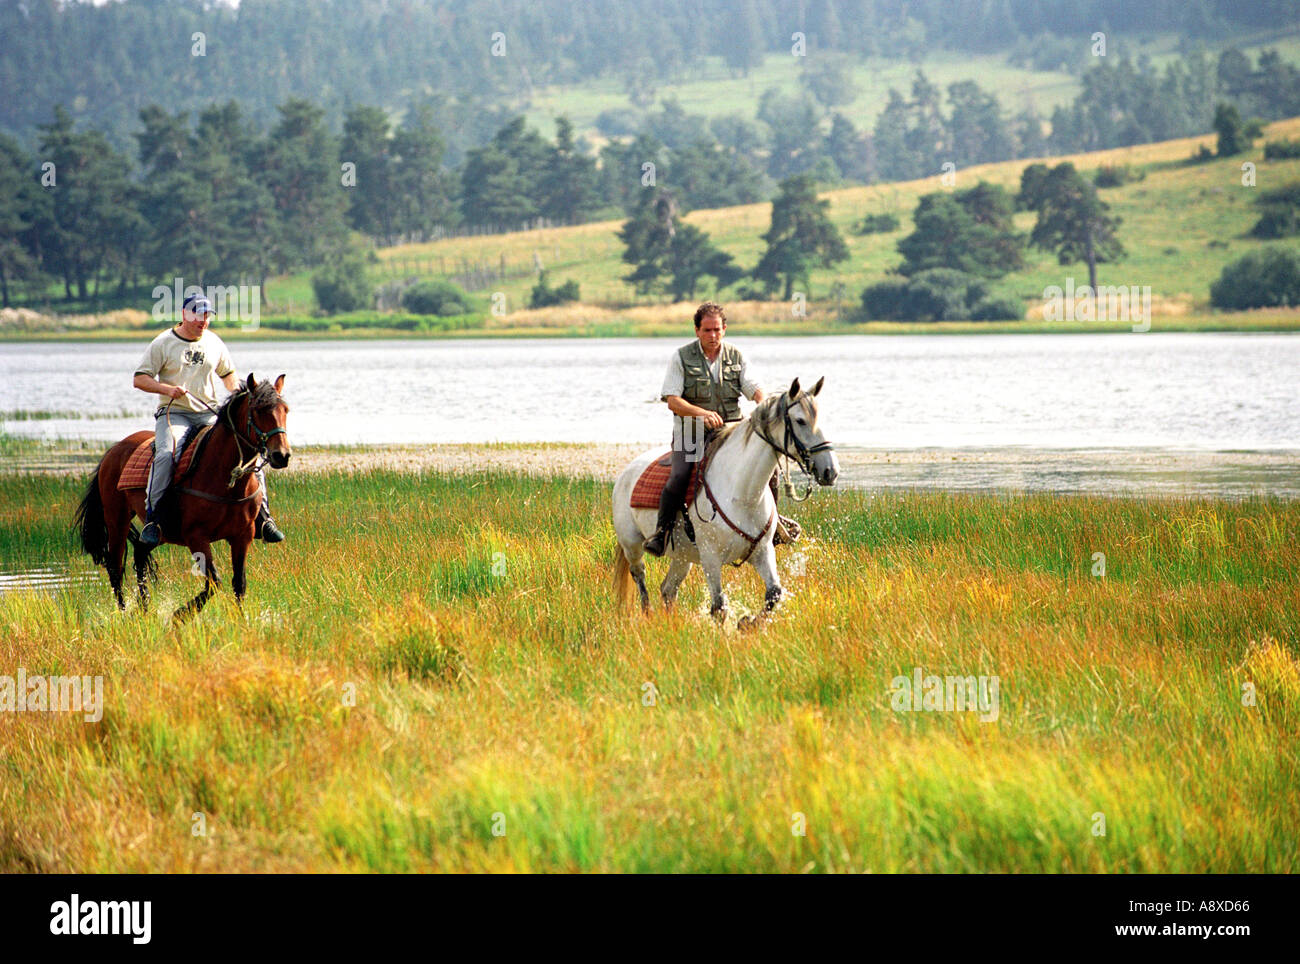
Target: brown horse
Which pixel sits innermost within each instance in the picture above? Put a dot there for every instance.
(218, 499)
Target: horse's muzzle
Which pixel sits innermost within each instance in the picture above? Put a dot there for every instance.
(278, 460)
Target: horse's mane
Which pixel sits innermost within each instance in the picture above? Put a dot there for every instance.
(263, 398)
(763, 414)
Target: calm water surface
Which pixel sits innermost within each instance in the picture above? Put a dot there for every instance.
(1175, 391)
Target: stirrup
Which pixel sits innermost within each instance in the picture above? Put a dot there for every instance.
(787, 531)
(151, 535)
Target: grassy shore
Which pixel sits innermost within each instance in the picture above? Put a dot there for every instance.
(496, 688)
(675, 322)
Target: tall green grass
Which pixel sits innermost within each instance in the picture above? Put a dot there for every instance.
(430, 658)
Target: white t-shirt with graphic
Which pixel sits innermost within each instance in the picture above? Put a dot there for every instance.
(196, 366)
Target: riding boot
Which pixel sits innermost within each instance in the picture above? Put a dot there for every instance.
(151, 534)
(265, 526)
(657, 544)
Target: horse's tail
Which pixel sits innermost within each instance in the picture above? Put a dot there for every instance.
(622, 583)
(90, 520)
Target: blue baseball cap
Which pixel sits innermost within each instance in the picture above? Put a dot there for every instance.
(199, 305)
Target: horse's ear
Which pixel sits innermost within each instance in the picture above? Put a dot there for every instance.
(794, 390)
(251, 384)
(279, 384)
(818, 387)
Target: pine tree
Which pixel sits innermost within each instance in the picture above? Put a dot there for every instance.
(423, 189)
(800, 237)
(367, 144)
(669, 255)
(1074, 222)
(21, 206)
(569, 188)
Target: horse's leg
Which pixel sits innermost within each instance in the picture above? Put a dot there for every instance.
(764, 563)
(141, 556)
(238, 581)
(712, 566)
(211, 580)
(117, 527)
(678, 567)
(637, 568)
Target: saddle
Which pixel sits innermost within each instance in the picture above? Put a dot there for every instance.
(136, 473)
(648, 488)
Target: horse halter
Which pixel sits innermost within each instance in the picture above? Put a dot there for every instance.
(802, 453)
(251, 431)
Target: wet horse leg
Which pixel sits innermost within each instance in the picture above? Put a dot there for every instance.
(141, 558)
(238, 579)
(203, 549)
(116, 563)
(678, 567)
(711, 563)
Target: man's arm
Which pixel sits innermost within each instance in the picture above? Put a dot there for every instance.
(230, 381)
(748, 388)
(147, 383)
(680, 406)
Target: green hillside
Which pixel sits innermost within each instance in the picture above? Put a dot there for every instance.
(713, 90)
(1181, 224)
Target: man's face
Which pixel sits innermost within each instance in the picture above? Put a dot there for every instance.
(193, 324)
(710, 333)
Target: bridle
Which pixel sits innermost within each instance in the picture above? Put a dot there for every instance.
(802, 453)
(251, 430)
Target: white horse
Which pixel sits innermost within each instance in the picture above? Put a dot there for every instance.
(733, 511)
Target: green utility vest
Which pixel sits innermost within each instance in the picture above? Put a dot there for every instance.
(700, 389)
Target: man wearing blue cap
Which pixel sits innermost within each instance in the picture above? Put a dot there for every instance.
(183, 365)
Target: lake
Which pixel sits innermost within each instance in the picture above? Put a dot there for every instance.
(1193, 391)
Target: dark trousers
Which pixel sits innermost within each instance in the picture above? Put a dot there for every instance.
(679, 477)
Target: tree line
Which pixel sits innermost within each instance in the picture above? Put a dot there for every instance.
(218, 196)
(107, 62)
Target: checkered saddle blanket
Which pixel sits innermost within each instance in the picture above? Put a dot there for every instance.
(645, 494)
(136, 473)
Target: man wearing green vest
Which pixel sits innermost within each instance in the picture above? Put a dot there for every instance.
(703, 387)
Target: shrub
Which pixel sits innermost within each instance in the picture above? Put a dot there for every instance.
(944, 294)
(998, 308)
(342, 284)
(939, 294)
(877, 224)
(747, 292)
(436, 298)
(886, 300)
(363, 320)
(544, 296)
(1115, 175)
(1277, 221)
(1281, 212)
(1269, 278)
(1281, 150)
(1233, 135)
